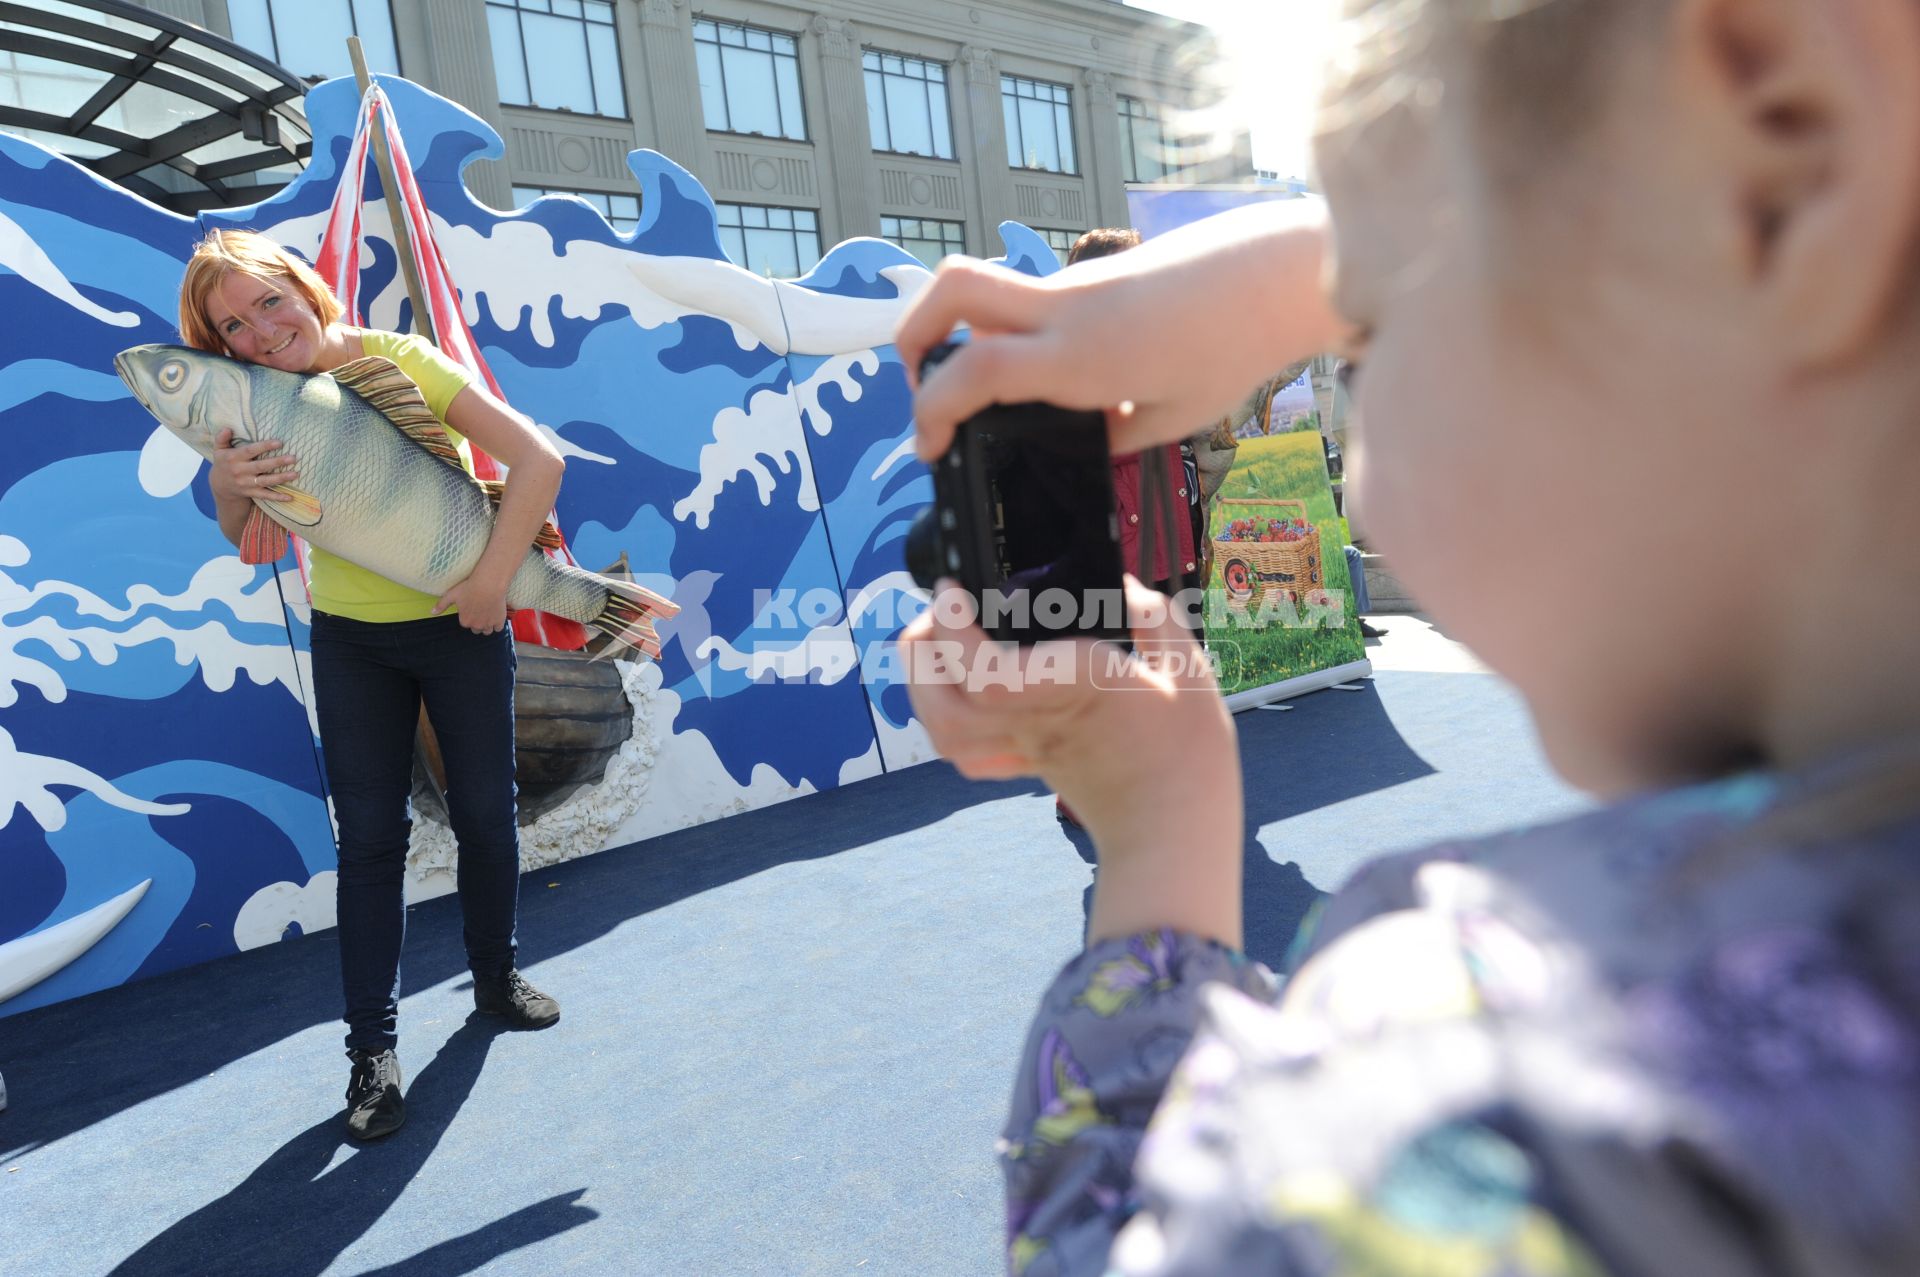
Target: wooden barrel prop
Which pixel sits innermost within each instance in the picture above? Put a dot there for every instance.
(571, 715)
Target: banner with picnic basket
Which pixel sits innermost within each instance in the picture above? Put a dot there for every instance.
(1256, 553)
(1280, 617)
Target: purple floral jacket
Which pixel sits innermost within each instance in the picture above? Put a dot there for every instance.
(1677, 1037)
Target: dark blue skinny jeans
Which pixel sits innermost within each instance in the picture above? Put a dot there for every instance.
(369, 680)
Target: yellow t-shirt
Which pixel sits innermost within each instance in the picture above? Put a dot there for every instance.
(347, 589)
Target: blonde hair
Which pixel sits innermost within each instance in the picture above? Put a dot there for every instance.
(249, 253)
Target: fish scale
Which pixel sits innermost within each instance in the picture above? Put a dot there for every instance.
(386, 501)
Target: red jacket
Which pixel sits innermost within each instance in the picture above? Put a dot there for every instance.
(1127, 495)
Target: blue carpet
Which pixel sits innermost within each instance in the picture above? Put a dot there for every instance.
(786, 1048)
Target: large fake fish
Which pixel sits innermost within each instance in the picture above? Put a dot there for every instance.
(380, 484)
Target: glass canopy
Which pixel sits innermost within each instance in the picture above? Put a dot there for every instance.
(168, 110)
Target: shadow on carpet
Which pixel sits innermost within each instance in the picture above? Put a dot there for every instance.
(85, 1060)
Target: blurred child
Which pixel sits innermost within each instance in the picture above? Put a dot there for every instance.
(1629, 279)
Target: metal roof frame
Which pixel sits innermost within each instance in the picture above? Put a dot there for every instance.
(262, 103)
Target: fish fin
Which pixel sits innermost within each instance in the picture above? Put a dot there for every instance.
(547, 538)
(300, 506)
(261, 539)
(627, 620)
(380, 382)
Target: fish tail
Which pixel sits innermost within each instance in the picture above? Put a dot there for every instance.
(261, 539)
(628, 617)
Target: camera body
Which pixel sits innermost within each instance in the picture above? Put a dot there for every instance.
(1024, 517)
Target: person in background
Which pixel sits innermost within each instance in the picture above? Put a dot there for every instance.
(1170, 564)
(1675, 1036)
(1180, 560)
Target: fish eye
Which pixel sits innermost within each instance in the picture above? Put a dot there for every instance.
(172, 375)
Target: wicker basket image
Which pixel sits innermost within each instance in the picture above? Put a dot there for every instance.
(1255, 569)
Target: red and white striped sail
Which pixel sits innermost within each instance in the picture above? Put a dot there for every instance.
(339, 263)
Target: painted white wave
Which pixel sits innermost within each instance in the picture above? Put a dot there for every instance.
(25, 258)
(881, 587)
(264, 919)
(27, 781)
(220, 657)
(30, 959)
(864, 767)
(167, 464)
(767, 433)
(903, 746)
(904, 452)
(568, 449)
(751, 442)
(688, 784)
(827, 654)
(837, 371)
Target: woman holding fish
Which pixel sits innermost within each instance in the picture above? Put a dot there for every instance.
(380, 647)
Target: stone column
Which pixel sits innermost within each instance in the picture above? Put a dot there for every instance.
(848, 144)
(1106, 181)
(672, 81)
(992, 180)
(458, 53)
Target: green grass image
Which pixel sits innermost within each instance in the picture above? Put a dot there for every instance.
(1255, 650)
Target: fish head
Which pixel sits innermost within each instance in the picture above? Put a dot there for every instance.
(192, 393)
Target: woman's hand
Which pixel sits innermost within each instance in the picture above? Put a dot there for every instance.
(1165, 337)
(1140, 745)
(480, 601)
(250, 471)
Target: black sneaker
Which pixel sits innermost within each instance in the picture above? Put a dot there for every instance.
(374, 1106)
(524, 1006)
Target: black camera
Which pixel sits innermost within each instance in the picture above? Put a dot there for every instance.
(1023, 516)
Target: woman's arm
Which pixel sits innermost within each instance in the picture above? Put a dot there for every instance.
(534, 468)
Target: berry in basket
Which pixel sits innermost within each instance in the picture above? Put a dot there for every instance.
(1267, 530)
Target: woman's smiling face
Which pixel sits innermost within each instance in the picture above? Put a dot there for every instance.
(263, 321)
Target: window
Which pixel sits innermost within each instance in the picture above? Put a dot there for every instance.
(782, 242)
(560, 55)
(1148, 154)
(1061, 242)
(925, 238)
(309, 37)
(907, 105)
(749, 80)
(621, 211)
(1039, 124)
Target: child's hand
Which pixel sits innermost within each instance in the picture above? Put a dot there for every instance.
(1141, 747)
(1165, 337)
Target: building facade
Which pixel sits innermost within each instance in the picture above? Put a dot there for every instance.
(927, 122)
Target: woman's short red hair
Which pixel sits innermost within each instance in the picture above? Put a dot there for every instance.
(223, 253)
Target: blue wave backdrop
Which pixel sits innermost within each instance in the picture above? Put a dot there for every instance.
(743, 442)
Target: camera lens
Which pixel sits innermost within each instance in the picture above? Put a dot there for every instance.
(923, 550)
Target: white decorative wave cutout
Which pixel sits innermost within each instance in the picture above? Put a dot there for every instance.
(30, 959)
